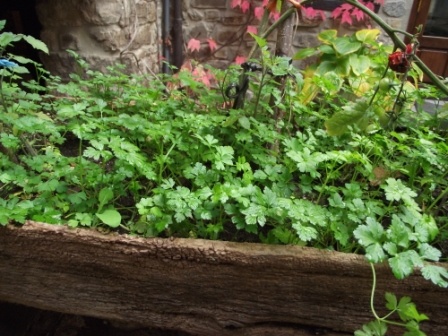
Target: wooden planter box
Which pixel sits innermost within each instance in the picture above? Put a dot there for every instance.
(201, 287)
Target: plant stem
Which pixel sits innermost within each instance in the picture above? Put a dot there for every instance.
(372, 294)
(441, 195)
(277, 23)
(372, 303)
(2, 97)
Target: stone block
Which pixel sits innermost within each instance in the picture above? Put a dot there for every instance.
(69, 40)
(209, 4)
(198, 31)
(59, 64)
(233, 20)
(144, 59)
(103, 12)
(212, 15)
(220, 64)
(308, 23)
(305, 40)
(112, 38)
(145, 35)
(50, 37)
(146, 11)
(195, 15)
(394, 22)
(53, 13)
(225, 35)
(227, 53)
(395, 8)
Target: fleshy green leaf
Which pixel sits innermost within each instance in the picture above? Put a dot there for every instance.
(367, 35)
(260, 41)
(6, 38)
(369, 234)
(105, 195)
(408, 311)
(374, 328)
(305, 233)
(375, 253)
(35, 43)
(359, 64)
(404, 263)
(304, 53)
(328, 36)
(352, 114)
(398, 232)
(396, 190)
(344, 46)
(429, 252)
(430, 225)
(110, 217)
(437, 274)
(391, 301)
(244, 122)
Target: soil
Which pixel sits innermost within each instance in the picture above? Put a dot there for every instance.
(17, 320)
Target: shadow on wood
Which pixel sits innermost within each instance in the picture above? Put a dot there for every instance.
(198, 286)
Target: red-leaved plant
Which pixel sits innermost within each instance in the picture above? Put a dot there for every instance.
(346, 13)
(352, 15)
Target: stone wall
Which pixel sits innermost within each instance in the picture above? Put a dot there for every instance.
(103, 32)
(214, 18)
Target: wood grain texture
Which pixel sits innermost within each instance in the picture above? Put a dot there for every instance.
(198, 286)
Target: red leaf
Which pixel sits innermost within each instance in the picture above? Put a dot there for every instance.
(258, 12)
(240, 59)
(370, 6)
(346, 6)
(252, 29)
(245, 5)
(358, 14)
(336, 13)
(347, 18)
(274, 15)
(212, 44)
(322, 14)
(309, 12)
(235, 3)
(194, 44)
(265, 2)
(271, 6)
(201, 75)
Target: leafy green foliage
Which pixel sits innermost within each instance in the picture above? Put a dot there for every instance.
(164, 156)
(406, 311)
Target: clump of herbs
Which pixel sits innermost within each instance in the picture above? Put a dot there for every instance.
(165, 156)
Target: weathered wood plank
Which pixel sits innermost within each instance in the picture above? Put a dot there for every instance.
(198, 286)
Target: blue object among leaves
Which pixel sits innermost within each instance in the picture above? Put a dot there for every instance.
(7, 64)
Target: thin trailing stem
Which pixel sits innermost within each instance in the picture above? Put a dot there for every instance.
(372, 303)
